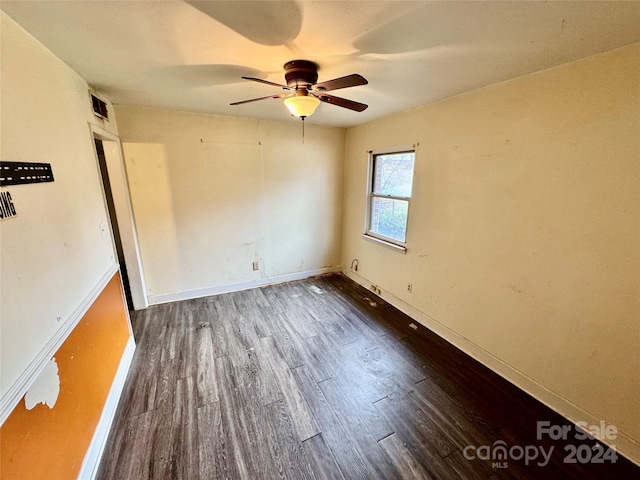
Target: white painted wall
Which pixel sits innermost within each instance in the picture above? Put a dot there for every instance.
(213, 194)
(52, 255)
(524, 231)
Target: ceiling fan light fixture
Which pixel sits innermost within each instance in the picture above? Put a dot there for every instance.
(303, 93)
(302, 105)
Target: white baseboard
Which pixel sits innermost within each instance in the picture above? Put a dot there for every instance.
(92, 458)
(236, 287)
(624, 444)
(20, 387)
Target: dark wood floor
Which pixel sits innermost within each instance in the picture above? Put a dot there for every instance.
(320, 379)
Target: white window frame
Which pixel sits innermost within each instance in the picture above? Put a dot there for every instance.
(373, 236)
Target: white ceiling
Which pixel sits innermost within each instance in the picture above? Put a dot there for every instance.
(190, 55)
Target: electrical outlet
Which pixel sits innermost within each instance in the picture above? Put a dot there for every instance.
(409, 287)
(256, 266)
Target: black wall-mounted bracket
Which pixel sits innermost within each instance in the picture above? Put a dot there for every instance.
(20, 173)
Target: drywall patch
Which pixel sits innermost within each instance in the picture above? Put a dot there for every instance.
(45, 389)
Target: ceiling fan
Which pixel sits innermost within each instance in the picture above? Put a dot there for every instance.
(303, 95)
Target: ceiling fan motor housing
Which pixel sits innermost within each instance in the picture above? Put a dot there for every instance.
(300, 73)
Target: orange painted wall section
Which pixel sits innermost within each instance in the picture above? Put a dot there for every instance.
(51, 442)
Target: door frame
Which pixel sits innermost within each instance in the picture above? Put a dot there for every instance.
(124, 215)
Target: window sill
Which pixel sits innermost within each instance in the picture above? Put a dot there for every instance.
(379, 241)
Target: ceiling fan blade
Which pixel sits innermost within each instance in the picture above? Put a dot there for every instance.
(281, 95)
(342, 102)
(353, 80)
(253, 79)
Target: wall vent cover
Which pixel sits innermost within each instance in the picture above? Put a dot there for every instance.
(99, 107)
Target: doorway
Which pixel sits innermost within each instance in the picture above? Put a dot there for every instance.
(116, 194)
(108, 193)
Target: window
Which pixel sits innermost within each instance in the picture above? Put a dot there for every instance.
(389, 195)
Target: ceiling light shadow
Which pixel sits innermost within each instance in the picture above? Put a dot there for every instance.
(399, 35)
(207, 75)
(267, 23)
(438, 25)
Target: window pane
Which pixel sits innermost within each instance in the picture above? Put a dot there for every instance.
(393, 174)
(389, 217)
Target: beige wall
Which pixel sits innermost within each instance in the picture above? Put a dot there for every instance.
(52, 254)
(213, 194)
(524, 233)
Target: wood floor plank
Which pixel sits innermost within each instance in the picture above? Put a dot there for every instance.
(184, 434)
(255, 431)
(461, 467)
(260, 318)
(256, 380)
(268, 376)
(429, 451)
(322, 462)
(375, 370)
(288, 340)
(188, 361)
(213, 456)
(341, 331)
(277, 440)
(436, 438)
(139, 391)
(330, 308)
(249, 299)
(206, 383)
(342, 363)
(241, 338)
(303, 421)
(318, 359)
(357, 431)
(405, 357)
(162, 426)
(375, 423)
(273, 300)
(138, 466)
(402, 458)
(363, 302)
(451, 418)
(234, 421)
(128, 438)
(226, 327)
(301, 317)
(173, 336)
(294, 462)
(346, 455)
(210, 315)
